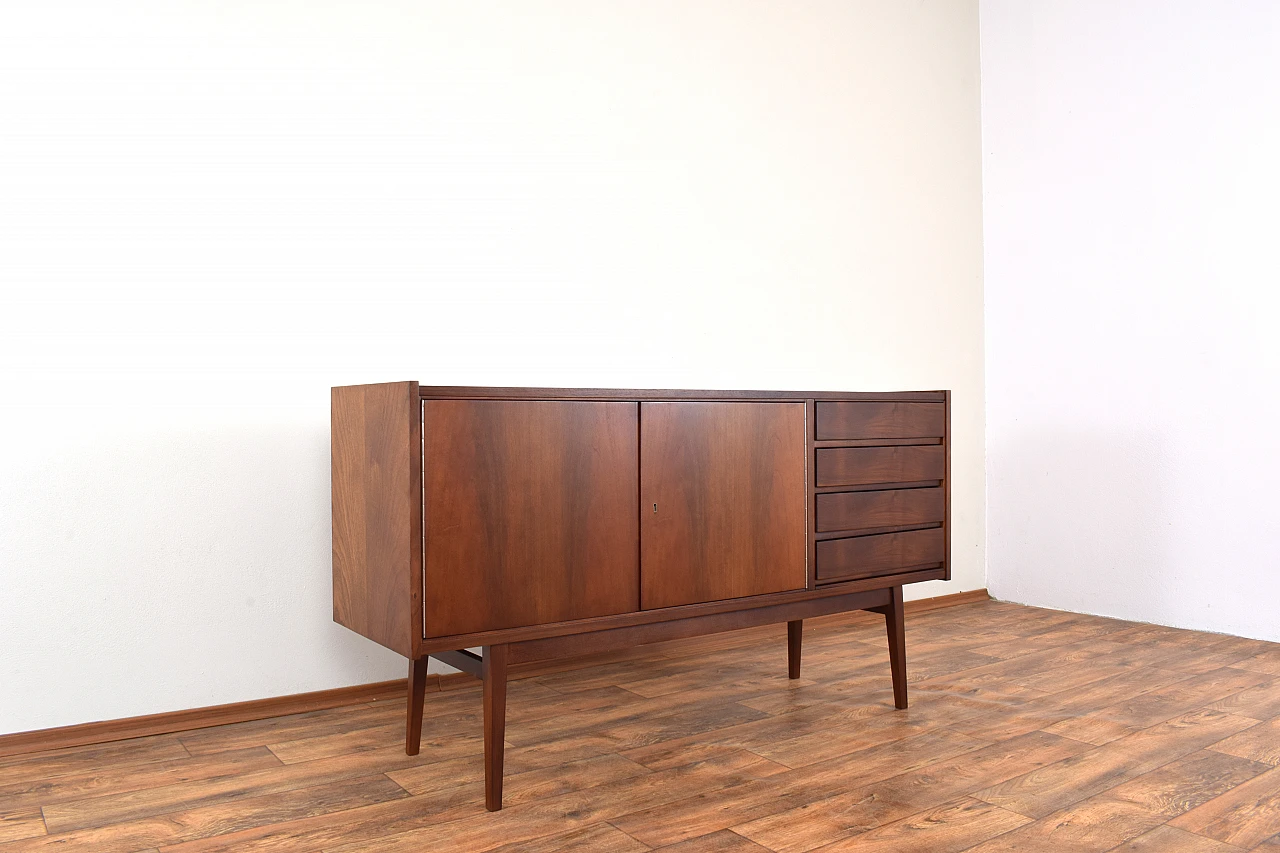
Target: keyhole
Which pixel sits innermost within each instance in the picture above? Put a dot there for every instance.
(655, 509)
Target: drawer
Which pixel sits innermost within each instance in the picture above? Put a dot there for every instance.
(864, 510)
(858, 420)
(884, 554)
(860, 466)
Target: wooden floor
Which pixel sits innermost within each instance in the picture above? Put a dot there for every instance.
(1028, 730)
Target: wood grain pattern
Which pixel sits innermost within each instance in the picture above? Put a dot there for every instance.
(417, 691)
(723, 498)
(860, 420)
(495, 722)
(1245, 816)
(721, 751)
(889, 508)
(883, 554)
(377, 523)
(531, 512)
(857, 466)
(21, 824)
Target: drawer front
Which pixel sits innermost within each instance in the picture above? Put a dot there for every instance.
(865, 510)
(885, 554)
(861, 466)
(857, 420)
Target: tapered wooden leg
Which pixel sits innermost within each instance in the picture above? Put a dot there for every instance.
(417, 693)
(795, 630)
(895, 628)
(495, 722)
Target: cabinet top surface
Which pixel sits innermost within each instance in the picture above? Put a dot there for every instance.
(494, 393)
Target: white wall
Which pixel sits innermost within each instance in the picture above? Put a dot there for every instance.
(211, 212)
(1130, 185)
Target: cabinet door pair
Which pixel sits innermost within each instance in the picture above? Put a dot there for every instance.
(550, 511)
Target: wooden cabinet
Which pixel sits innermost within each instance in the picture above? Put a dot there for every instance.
(539, 523)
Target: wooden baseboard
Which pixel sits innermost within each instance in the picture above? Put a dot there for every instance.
(105, 731)
(924, 605)
(83, 734)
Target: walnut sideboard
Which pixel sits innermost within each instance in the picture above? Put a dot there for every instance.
(539, 522)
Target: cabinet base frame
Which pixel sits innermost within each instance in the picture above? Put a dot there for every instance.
(491, 666)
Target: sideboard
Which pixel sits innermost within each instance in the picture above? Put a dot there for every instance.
(537, 523)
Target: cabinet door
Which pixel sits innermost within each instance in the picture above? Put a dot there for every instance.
(722, 501)
(531, 512)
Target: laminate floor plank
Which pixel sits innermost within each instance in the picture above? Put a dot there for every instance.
(723, 841)
(588, 839)
(949, 828)
(1245, 816)
(115, 780)
(1267, 660)
(40, 766)
(221, 791)
(533, 820)
(15, 826)
(866, 807)
(236, 736)
(204, 821)
(1130, 810)
(1047, 789)
(1258, 743)
(1261, 702)
(1166, 839)
(1029, 730)
(792, 791)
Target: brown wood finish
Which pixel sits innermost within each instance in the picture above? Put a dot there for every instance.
(810, 557)
(654, 747)
(446, 392)
(734, 620)
(946, 524)
(558, 522)
(849, 420)
(417, 692)
(894, 624)
(495, 722)
(148, 725)
(856, 466)
(377, 520)
(889, 508)
(878, 487)
(531, 512)
(795, 638)
(668, 614)
(876, 442)
(883, 554)
(723, 497)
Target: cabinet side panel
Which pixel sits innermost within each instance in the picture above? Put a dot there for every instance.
(376, 512)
